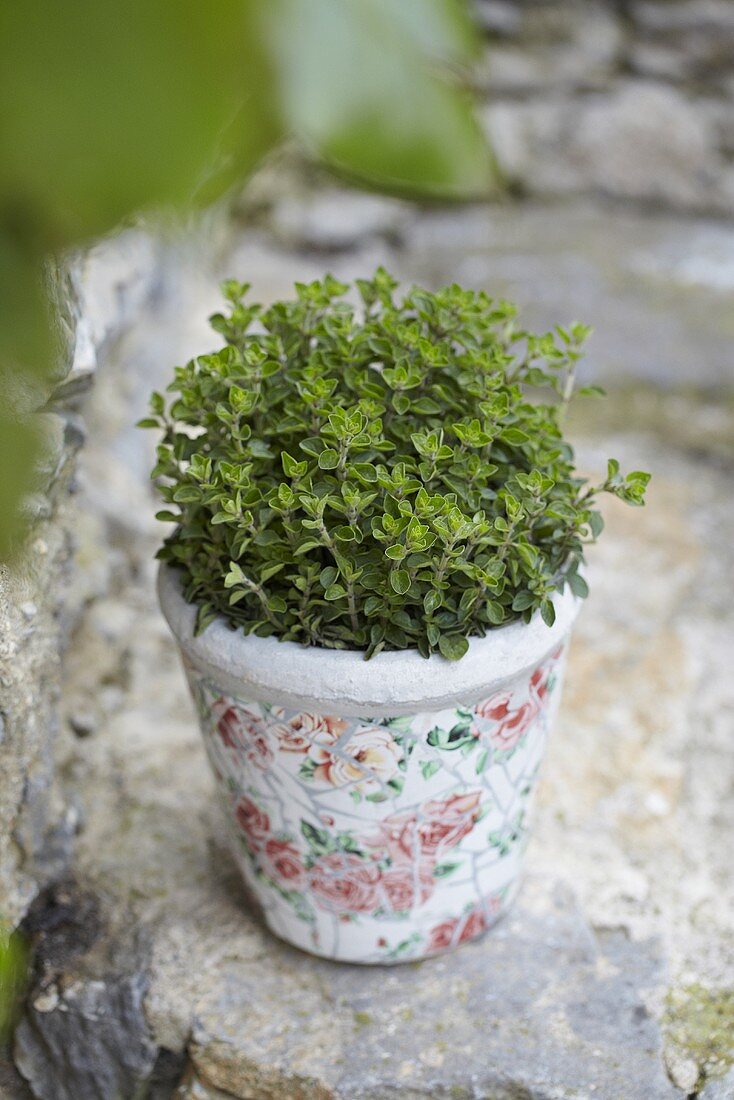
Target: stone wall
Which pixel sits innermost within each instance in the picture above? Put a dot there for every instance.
(35, 830)
(632, 99)
(40, 594)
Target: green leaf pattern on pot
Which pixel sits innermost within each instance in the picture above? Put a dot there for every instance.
(382, 838)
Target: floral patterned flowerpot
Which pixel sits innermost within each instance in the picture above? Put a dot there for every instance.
(378, 809)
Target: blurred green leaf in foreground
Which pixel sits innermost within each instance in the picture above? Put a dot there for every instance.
(13, 968)
(109, 110)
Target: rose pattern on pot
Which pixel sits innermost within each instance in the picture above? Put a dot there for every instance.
(379, 839)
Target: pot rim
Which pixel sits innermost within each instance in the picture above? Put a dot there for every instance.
(340, 681)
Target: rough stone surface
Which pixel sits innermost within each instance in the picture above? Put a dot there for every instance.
(334, 221)
(565, 117)
(574, 1000)
(656, 290)
(721, 1089)
(86, 1012)
(648, 143)
(36, 611)
(34, 828)
(12, 1085)
(579, 970)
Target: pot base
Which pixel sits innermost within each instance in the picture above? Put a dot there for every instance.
(382, 939)
(458, 930)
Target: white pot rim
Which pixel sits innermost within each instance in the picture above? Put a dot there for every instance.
(340, 681)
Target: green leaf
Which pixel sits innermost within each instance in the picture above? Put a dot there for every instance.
(453, 646)
(365, 471)
(596, 523)
(432, 145)
(400, 581)
(591, 391)
(495, 612)
(21, 448)
(482, 761)
(548, 612)
(442, 870)
(429, 768)
(291, 467)
(578, 585)
(328, 576)
(441, 30)
(523, 601)
(234, 576)
(318, 840)
(328, 459)
(187, 494)
(514, 436)
(431, 601)
(14, 977)
(62, 87)
(335, 592)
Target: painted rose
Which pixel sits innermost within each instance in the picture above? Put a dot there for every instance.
(300, 731)
(473, 924)
(446, 821)
(439, 823)
(281, 861)
(460, 929)
(243, 729)
(442, 936)
(344, 883)
(228, 724)
(539, 683)
(541, 680)
(511, 723)
(259, 751)
(402, 886)
(369, 758)
(253, 821)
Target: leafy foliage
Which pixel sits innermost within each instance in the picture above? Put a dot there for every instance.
(377, 478)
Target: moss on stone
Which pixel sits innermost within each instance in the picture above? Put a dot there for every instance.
(700, 1022)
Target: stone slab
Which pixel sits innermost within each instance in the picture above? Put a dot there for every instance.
(540, 1007)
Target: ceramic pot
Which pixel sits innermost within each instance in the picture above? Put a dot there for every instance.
(378, 809)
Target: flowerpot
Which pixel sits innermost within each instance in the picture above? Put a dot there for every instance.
(378, 809)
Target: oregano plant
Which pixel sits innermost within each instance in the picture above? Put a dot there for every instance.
(379, 473)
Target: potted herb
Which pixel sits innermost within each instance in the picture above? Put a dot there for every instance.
(372, 578)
